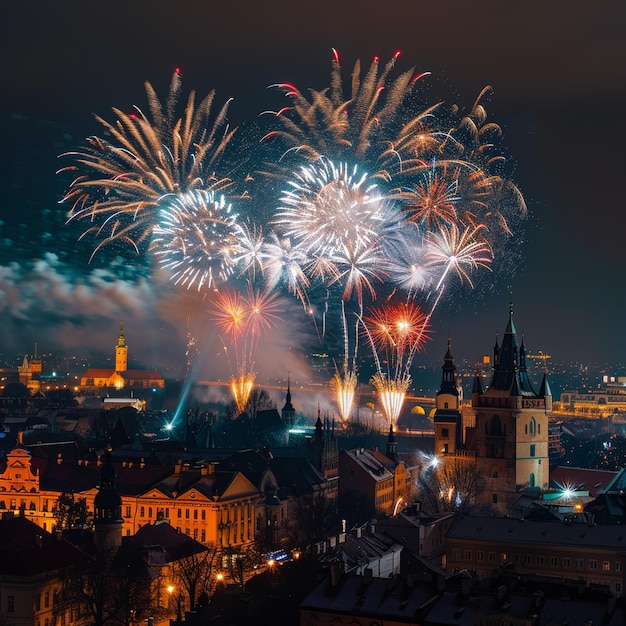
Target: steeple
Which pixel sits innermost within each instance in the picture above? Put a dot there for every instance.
(447, 417)
(392, 446)
(108, 507)
(121, 352)
(448, 374)
(509, 371)
(288, 413)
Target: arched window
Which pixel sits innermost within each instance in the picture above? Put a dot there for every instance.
(496, 426)
(533, 426)
(532, 479)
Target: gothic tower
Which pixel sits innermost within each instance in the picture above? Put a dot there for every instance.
(511, 426)
(447, 418)
(121, 352)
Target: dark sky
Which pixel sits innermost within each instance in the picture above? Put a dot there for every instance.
(558, 74)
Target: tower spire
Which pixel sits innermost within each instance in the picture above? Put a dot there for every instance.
(121, 351)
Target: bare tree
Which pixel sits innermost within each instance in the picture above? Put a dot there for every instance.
(314, 518)
(453, 486)
(196, 573)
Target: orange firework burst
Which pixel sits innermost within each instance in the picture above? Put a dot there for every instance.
(398, 331)
(344, 386)
(398, 328)
(242, 319)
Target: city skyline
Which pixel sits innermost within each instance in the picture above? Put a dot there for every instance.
(557, 97)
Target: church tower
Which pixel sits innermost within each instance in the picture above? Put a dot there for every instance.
(511, 426)
(447, 417)
(108, 508)
(121, 352)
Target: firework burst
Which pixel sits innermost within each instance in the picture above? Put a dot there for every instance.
(368, 125)
(197, 239)
(396, 333)
(242, 320)
(122, 182)
(336, 218)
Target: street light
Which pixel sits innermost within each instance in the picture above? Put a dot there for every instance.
(170, 591)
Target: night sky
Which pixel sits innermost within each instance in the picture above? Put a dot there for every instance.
(558, 74)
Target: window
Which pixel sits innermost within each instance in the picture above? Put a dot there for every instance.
(127, 514)
(566, 562)
(456, 554)
(468, 555)
(195, 513)
(580, 564)
(203, 535)
(533, 426)
(10, 604)
(46, 600)
(444, 432)
(180, 513)
(515, 558)
(480, 555)
(150, 512)
(540, 560)
(532, 449)
(529, 559)
(492, 557)
(619, 566)
(553, 561)
(38, 602)
(606, 566)
(142, 512)
(203, 515)
(495, 498)
(593, 564)
(186, 513)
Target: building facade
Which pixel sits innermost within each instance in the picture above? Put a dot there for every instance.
(509, 442)
(576, 552)
(121, 377)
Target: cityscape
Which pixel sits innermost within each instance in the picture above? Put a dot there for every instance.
(312, 315)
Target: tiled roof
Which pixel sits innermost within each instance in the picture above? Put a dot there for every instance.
(165, 543)
(581, 479)
(27, 550)
(141, 375)
(508, 530)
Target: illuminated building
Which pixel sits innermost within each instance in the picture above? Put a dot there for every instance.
(510, 439)
(30, 372)
(607, 401)
(121, 377)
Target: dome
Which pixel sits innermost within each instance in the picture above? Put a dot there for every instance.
(418, 410)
